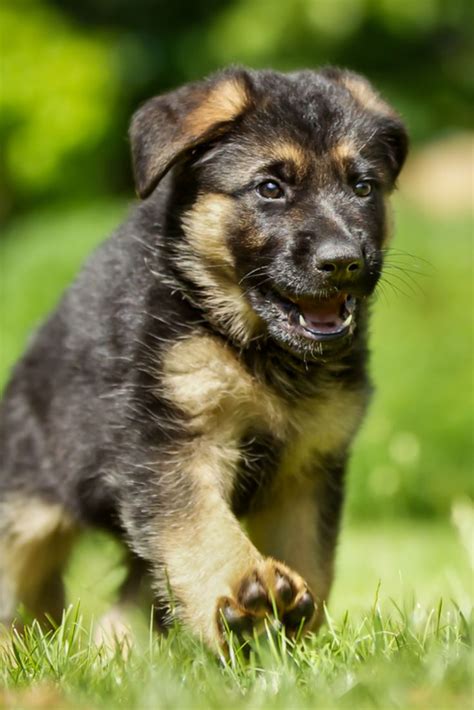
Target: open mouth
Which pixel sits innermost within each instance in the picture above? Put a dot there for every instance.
(318, 317)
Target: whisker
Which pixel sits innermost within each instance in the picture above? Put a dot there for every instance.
(257, 285)
(391, 251)
(410, 283)
(409, 273)
(380, 291)
(396, 288)
(395, 265)
(252, 273)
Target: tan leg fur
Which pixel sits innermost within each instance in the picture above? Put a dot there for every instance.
(35, 540)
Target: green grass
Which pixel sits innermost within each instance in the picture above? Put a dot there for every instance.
(384, 645)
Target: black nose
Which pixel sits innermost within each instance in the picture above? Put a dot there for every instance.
(339, 260)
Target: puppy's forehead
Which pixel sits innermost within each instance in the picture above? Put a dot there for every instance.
(317, 126)
(304, 112)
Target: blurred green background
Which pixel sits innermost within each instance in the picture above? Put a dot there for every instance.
(73, 72)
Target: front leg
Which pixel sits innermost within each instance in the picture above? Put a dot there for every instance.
(197, 549)
(299, 524)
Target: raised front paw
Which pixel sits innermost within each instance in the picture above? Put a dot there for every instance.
(263, 590)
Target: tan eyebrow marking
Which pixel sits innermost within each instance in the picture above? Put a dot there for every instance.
(290, 152)
(343, 151)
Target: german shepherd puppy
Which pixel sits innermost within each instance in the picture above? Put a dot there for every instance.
(209, 362)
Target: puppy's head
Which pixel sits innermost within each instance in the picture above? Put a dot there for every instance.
(279, 189)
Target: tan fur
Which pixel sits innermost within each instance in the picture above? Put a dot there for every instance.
(205, 553)
(37, 541)
(207, 260)
(205, 550)
(205, 226)
(208, 558)
(287, 527)
(290, 153)
(322, 425)
(366, 96)
(222, 399)
(343, 152)
(206, 378)
(287, 530)
(222, 103)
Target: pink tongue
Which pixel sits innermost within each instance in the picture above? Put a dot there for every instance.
(322, 312)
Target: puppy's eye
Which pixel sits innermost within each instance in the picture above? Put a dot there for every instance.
(270, 190)
(362, 188)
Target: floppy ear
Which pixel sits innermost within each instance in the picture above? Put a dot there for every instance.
(167, 127)
(393, 138)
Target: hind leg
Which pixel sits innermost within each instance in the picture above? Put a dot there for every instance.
(35, 540)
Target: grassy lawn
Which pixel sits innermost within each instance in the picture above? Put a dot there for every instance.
(397, 636)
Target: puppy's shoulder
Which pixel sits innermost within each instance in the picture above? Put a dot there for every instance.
(205, 375)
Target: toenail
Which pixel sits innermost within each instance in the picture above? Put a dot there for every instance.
(284, 589)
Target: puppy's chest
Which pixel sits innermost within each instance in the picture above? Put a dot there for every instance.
(312, 431)
(255, 431)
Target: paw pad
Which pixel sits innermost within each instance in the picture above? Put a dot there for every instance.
(272, 586)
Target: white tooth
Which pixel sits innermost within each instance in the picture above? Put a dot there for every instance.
(348, 320)
(302, 321)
